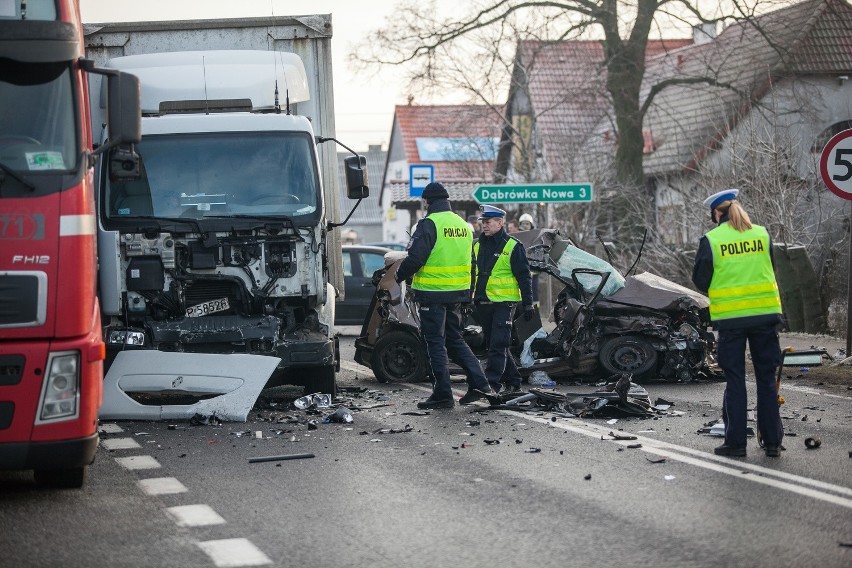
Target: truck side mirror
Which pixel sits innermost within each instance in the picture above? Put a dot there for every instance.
(125, 124)
(356, 177)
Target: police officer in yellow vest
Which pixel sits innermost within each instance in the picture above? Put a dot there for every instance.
(439, 266)
(734, 267)
(502, 279)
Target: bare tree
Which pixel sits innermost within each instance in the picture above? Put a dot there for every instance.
(472, 51)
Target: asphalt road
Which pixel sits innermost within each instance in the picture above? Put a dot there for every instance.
(396, 489)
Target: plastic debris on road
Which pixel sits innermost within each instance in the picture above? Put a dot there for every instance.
(315, 400)
(341, 416)
(541, 379)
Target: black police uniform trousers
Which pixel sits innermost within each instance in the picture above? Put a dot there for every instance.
(440, 326)
(765, 356)
(496, 321)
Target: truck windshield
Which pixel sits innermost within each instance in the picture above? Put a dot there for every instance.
(38, 132)
(219, 174)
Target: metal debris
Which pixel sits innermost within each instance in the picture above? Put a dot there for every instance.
(280, 458)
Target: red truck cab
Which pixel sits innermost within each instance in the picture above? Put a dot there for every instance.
(51, 348)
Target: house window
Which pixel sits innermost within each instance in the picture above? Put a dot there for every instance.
(826, 134)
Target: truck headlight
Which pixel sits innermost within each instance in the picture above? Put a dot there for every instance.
(125, 337)
(60, 393)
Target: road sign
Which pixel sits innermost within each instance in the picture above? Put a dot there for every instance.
(543, 193)
(835, 164)
(419, 176)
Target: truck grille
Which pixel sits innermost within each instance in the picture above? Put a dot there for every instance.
(200, 291)
(23, 299)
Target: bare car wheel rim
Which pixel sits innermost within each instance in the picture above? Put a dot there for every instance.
(399, 360)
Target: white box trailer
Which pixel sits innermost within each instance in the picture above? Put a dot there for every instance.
(220, 238)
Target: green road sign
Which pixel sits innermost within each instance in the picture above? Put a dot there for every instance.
(553, 193)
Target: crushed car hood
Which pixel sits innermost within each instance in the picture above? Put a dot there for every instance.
(650, 291)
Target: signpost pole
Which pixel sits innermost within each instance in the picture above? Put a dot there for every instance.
(835, 168)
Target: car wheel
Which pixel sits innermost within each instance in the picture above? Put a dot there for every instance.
(628, 354)
(398, 357)
(67, 478)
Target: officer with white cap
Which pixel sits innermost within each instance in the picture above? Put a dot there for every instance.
(734, 267)
(502, 279)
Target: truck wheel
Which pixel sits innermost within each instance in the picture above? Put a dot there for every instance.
(324, 380)
(398, 357)
(68, 478)
(628, 354)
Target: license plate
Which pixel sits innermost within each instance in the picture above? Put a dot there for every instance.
(206, 308)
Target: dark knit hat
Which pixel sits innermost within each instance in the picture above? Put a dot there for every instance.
(435, 191)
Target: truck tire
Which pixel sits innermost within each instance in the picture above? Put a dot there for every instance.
(628, 354)
(67, 478)
(399, 357)
(324, 380)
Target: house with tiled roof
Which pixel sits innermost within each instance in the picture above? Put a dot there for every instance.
(557, 98)
(777, 88)
(458, 141)
(366, 220)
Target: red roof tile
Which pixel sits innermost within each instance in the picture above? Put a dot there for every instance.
(449, 121)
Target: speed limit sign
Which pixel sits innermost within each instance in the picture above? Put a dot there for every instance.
(835, 164)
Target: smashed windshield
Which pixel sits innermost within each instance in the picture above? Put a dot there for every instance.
(219, 174)
(38, 133)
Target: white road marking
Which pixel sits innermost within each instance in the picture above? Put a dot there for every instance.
(120, 444)
(234, 552)
(811, 390)
(195, 516)
(162, 486)
(706, 461)
(110, 429)
(792, 482)
(138, 462)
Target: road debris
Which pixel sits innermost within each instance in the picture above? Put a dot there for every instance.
(812, 443)
(315, 400)
(341, 416)
(280, 458)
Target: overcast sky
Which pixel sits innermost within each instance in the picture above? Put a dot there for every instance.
(364, 104)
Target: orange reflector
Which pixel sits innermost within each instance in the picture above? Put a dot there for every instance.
(97, 352)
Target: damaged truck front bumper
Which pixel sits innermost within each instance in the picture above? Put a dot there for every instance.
(262, 335)
(155, 385)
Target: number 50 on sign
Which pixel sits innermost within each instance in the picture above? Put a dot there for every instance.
(835, 164)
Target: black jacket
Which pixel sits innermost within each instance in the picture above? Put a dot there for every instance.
(489, 247)
(419, 248)
(702, 276)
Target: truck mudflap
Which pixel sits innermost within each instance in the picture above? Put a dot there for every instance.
(139, 383)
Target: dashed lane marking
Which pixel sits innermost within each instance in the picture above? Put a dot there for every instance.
(120, 444)
(110, 429)
(138, 462)
(195, 516)
(234, 552)
(162, 486)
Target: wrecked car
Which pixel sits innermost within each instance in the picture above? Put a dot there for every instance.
(644, 326)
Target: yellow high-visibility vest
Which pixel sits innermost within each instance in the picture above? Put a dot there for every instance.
(502, 286)
(743, 281)
(448, 266)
